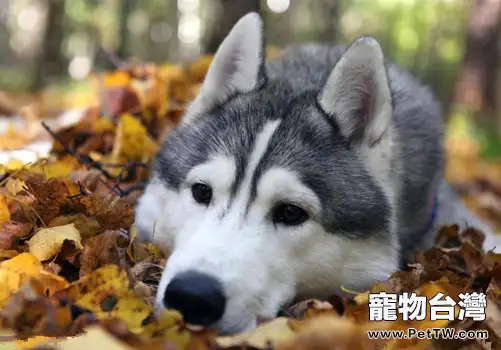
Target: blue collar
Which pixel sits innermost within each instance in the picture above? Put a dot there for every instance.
(416, 237)
(433, 215)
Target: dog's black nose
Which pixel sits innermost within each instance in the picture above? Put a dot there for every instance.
(198, 297)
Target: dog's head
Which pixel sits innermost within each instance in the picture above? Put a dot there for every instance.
(263, 194)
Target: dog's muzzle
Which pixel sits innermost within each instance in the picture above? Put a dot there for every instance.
(198, 297)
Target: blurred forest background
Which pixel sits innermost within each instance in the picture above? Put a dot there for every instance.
(452, 45)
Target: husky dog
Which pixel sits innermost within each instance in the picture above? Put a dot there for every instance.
(289, 179)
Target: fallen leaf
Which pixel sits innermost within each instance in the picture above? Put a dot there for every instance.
(93, 338)
(12, 232)
(86, 225)
(22, 268)
(132, 141)
(273, 332)
(4, 210)
(98, 251)
(47, 242)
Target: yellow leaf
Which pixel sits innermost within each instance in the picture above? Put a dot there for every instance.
(8, 340)
(151, 90)
(8, 254)
(139, 251)
(4, 209)
(103, 125)
(34, 342)
(330, 332)
(198, 68)
(23, 263)
(132, 238)
(132, 310)
(47, 242)
(274, 332)
(165, 324)
(14, 164)
(132, 141)
(116, 79)
(428, 290)
(14, 186)
(85, 225)
(60, 168)
(20, 269)
(106, 281)
(94, 337)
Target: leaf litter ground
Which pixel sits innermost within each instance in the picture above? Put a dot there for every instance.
(73, 275)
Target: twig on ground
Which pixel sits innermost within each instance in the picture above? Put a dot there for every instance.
(82, 160)
(128, 166)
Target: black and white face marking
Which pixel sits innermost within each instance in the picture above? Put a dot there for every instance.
(263, 197)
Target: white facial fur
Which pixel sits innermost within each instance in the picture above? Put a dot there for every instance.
(262, 265)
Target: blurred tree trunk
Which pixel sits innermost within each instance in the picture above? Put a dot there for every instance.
(50, 61)
(326, 14)
(230, 12)
(123, 33)
(476, 85)
(173, 19)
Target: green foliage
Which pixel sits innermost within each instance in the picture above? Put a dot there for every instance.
(490, 142)
(424, 36)
(14, 79)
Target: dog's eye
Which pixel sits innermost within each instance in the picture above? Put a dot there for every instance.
(289, 214)
(202, 193)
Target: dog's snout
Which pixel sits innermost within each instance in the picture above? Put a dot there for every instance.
(198, 297)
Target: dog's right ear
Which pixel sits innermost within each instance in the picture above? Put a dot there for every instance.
(357, 93)
(237, 66)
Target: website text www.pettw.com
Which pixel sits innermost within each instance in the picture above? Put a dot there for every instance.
(429, 333)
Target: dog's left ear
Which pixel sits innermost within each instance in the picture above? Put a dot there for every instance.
(237, 66)
(357, 94)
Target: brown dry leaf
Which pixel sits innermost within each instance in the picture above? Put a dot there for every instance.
(90, 179)
(311, 308)
(140, 251)
(87, 226)
(98, 251)
(111, 212)
(493, 317)
(8, 254)
(11, 232)
(401, 281)
(448, 237)
(47, 242)
(49, 196)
